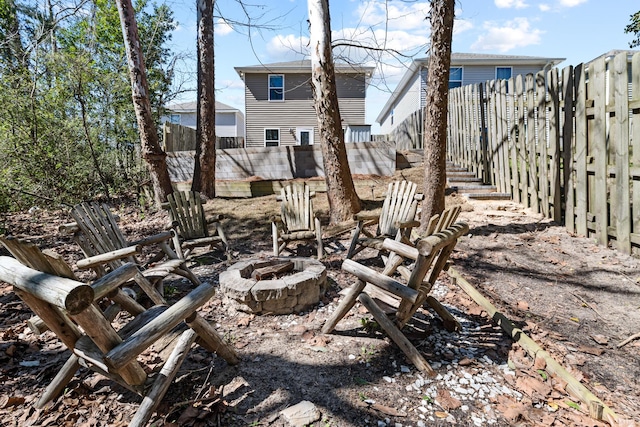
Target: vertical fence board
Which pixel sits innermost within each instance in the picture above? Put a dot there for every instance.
(543, 158)
(598, 205)
(513, 137)
(623, 206)
(523, 191)
(581, 147)
(532, 173)
(554, 146)
(567, 148)
(635, 144)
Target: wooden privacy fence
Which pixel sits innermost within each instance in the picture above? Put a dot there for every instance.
(562, 142)
(183, 138)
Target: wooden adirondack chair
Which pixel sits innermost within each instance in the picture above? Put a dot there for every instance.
(431, 255)
(395, 221)
(105, 247)
(437, 223)
(297, 220)
(192, 227)
(69, 309)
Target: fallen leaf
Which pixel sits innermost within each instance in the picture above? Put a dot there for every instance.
(523, 305)
(596, 351)
(600, 339)
(441, 414)
(388, 410)
(539, 363)
(447, 401)
(575, 319)
(532, 386)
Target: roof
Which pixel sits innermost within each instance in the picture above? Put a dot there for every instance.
(464, 59)
(615, 52)
(191, 107)
(301, 66)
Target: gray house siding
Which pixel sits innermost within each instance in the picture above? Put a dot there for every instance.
(296, 111)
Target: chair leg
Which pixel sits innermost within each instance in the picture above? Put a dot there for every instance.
(212, 340)
(274, 235)
(345, 305)
(225, 243)
(60, 381)
(354, 240)
(396, 335)
(319, 238)
(164, 379)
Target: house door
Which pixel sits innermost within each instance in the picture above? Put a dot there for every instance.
(305, 136)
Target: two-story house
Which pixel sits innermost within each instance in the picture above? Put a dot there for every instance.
(400, 117)
(279, 107)
(229, 120)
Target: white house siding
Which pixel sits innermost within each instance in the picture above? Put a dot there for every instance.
(226, 125)
(406, 104)
(296, 111)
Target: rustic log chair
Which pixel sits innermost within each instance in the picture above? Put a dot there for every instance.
(297, 220)
(395, 220)
(70, 310)
(97, 233)
(431, 255)
(190, 225)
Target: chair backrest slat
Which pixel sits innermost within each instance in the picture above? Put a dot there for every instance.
(186, 208)
(296, 207)
(399, 206)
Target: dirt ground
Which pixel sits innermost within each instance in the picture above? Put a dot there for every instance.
(577, 300)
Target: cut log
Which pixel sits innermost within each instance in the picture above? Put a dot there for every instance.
(272, 270)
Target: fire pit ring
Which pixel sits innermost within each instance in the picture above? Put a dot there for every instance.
(252, 286)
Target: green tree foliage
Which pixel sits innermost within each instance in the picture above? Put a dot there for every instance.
(67, 126)
(634, 28)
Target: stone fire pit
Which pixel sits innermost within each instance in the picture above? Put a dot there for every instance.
(245, 286)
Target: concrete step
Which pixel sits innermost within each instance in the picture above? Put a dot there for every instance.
(460, 173)
(455, 169)
(462, 179)
(487, 196)
(475, 189)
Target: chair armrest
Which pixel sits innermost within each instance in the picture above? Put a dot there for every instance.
(366, 216)
(408, 224)
(113, 280)
(380, 280)
(108, 256)
(152, 240)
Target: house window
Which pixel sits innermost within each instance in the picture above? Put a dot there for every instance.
(455, 77)
(175, 119)
(271, 137)
(276, 87)
(503, 73)
(392, 114)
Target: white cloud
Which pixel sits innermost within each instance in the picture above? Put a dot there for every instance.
(287, 48)
(394, 15)
(461, 25)
(514, 34)
(544, 7)
(510, 4)
(222, 27)
(571, 3)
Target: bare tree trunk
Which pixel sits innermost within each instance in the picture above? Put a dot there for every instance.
(204, 173)
(343, 199)
(152, 152)
(435, 121)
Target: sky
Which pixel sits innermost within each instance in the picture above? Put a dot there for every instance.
(578, 30)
